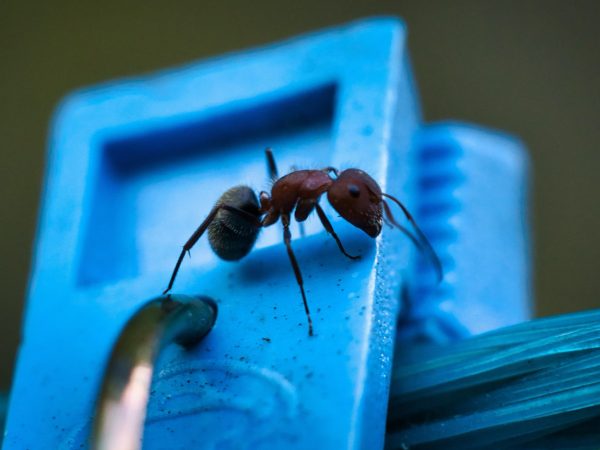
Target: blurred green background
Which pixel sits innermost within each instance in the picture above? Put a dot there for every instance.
(531, 68)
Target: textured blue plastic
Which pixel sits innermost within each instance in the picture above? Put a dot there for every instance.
(133, 168)
(472, 192)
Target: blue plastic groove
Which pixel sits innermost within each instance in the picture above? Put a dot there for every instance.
(471, 192)
(438, 177)
(113, 243)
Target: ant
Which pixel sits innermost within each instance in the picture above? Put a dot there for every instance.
(234, 222)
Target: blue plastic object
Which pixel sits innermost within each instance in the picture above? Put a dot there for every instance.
(472, 192)
(135, 165)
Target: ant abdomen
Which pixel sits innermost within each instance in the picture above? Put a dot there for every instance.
(231, 235)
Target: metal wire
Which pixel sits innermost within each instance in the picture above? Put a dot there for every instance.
(123, 399)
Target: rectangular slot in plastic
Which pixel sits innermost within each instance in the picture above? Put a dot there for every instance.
(162, 183)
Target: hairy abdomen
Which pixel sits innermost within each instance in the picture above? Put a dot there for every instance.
(230, 235)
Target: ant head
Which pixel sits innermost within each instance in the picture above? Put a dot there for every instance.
(357, 198)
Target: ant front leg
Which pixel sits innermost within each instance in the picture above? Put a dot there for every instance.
(327, 225)
(287, 238)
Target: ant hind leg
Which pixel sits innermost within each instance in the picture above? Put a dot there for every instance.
(200, 231)
(196, 235)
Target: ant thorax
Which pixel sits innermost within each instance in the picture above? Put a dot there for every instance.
(297, 186)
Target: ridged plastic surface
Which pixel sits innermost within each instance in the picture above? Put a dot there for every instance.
(472, 191)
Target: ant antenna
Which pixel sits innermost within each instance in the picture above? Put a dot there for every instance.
(389, 219)
(271, 165)
(425, 245)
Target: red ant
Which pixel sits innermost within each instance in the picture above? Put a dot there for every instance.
(237, 217)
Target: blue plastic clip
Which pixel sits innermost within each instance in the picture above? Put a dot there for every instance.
(135, 165)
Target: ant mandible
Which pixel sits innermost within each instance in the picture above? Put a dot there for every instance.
(234, 222)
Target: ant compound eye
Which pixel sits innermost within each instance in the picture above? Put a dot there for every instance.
(354, 190)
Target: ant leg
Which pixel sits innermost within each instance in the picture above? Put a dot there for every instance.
(265, 201)
(301, 228)
(200, 231)
(327, 225)
(304, 208)
(387, 222)
(287, 238)
(271, 217)
(271, 166)
(190, 243)
(424, 241)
